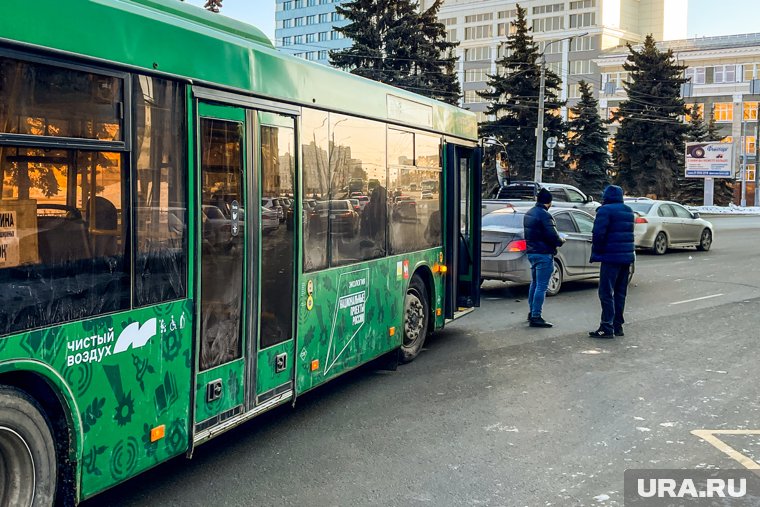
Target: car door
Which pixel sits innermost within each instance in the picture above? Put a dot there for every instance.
(572, 254)
(690, 227)
(585, 224)
(669, 223)
(579, 201)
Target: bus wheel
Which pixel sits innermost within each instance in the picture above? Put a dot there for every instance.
(416, 319)
(27, 451)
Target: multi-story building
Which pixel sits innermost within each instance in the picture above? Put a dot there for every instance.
(305, 28)
(723, 72)
(482, 28)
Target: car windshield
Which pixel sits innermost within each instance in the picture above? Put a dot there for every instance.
(323, 205)
(510, 220)
(640, 207)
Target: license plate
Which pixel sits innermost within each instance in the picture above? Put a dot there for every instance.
(487, 247)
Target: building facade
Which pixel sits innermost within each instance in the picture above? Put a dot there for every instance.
(723, 73)
(305, 28)
(482, 27)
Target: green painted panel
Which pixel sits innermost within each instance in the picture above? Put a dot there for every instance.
(125, 373)
(207, 49)
(345, 315)
(266, 377)
(233, 392)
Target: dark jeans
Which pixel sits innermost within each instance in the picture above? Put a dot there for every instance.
(613, 287)
(541, 267)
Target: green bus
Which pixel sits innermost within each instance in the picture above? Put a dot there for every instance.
(143, 310)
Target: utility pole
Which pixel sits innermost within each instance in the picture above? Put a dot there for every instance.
(540, 124)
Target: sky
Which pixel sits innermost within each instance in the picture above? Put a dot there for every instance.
(734, 16)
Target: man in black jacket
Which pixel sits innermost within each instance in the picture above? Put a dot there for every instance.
(542, 241)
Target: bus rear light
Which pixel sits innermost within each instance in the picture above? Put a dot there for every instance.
(442, 269)
(641, 220)
(392, 331)
(315, 365)
(157, 433)
(519, 245)
(438, 312)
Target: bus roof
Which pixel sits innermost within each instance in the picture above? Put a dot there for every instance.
(171, 37)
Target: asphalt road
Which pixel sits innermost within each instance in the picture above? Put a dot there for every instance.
(496, 413)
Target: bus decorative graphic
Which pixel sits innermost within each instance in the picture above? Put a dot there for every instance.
(349, 314)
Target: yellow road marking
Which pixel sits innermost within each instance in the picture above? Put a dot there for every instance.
(709, 437)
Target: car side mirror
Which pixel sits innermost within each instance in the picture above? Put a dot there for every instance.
(695, 214)
(590, 198)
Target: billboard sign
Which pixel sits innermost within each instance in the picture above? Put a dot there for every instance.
(709, 160)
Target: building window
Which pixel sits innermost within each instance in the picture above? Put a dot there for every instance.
(478, 32)
(695, 74)
(298, 21)
(511, 13)
(309, 38)
(581, 67)
(311, 20)
(750, 176)
(311, 3)
(547, 9)
(287, 41)
(298, 39)
(477, 18)
(336, 17)
(582, 20)
(323, 54)
(451, 35)
(749, 71)
(287, 23)
(750, 111)
(323, 36)
(449, 21)
(287, 6)
(477, 54)
(476, 75)
(547, 48)
(723, 111)
(323, 18)
(583, 44)
(551, 24)
(574, 90)
(700, 111)
(724, 74)
(472, 97)
(582, 4)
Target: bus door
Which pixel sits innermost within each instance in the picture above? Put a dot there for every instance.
(275, 358)
(462, 228)
(224, 254)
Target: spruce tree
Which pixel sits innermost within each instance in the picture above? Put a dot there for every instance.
(395, 44)
(213, 5)
(649, 145)
(513, 98)
(587, 144)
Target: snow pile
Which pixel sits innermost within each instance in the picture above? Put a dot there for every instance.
(731, 209)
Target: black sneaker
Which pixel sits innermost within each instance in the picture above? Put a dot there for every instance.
(619, 332)
(539, 322)
(530, 316)
(600, 333)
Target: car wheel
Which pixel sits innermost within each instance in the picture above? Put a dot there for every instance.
(555, 282)
(28, 470)
(705, 241)
(660, 244)
(416, 319)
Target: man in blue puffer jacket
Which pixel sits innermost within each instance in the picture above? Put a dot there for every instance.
(542, 241)
(613, 246)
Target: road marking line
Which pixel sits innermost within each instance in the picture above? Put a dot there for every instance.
(709, 437)
(697, 299)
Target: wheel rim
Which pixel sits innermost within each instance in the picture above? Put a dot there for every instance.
(414, 317)
(16, 469)
(706, 239)
(555, 280)
(661, 244)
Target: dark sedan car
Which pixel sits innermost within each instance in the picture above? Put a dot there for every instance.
(503, 247)
(339, 213)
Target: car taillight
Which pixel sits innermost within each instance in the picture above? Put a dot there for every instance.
(518, 245)
(641, 220)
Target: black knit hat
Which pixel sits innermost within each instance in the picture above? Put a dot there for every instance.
(544, 196)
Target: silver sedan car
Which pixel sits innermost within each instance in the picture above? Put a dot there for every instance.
(503, 248)
(663, 224)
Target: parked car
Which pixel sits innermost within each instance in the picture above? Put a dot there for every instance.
(504, 249)
(269, 220)
(404, 209)
(363, 200)
(355, 203)
(340, 215)
(274, 204)
(663, 224)
(427, 194)
(523, 193)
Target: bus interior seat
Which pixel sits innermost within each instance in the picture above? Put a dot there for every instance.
(106, 219)
(62, 238)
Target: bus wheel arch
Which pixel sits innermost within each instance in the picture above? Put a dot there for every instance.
(417, 315)
(55, 409)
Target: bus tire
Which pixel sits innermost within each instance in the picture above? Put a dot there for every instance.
(27, 450)
(416, 319)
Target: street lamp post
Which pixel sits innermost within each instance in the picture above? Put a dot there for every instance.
(539, 170)
(492, 141)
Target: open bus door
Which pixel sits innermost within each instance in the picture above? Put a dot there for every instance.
(462, 228)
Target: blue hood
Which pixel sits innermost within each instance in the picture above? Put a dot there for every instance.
(612, 193)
